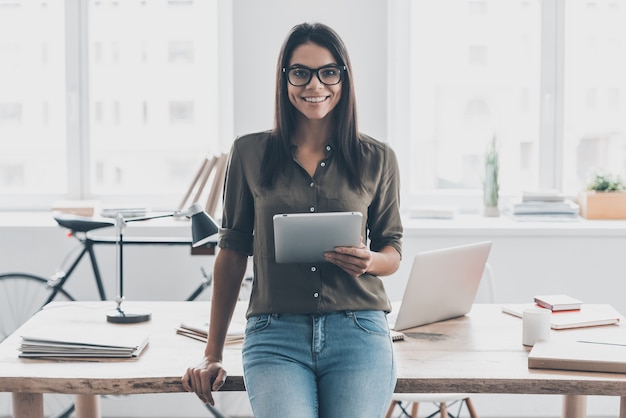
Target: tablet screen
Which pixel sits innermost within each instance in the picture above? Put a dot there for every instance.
(305, 237)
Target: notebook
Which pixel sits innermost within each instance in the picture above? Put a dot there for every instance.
(589, 315)
(592, 356)
(442, 285)
(305, 237)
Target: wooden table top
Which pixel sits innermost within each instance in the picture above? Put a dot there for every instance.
(482, 352)
(158, 369)
(478, 353)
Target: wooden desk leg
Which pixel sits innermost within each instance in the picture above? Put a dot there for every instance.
(622, 407)
(574, 406)
(27, 405)
(87, 406)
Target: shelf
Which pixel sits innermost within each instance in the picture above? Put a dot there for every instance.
(472, 225)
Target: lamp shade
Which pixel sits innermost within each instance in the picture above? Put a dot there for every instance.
(202, 226)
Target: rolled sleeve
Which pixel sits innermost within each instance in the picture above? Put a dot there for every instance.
(238, 208)
(385, 224)
(235, 240)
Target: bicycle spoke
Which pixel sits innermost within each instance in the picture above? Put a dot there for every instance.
(18, 296)
(21, 296)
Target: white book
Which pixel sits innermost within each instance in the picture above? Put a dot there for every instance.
(592, 356)
(546, 195)
(589, 315)
(541, 207)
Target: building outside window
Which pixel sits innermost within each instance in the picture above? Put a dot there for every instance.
(545, 77)
(124, 115)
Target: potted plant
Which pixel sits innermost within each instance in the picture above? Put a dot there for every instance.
(604, 198)
(491, 187)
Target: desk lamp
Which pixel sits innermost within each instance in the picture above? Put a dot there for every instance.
(202, 228)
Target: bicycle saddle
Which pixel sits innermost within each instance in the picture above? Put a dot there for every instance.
(81, 223)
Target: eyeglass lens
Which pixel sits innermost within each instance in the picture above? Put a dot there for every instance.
(301, 76)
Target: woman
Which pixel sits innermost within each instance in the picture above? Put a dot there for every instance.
(317, 341)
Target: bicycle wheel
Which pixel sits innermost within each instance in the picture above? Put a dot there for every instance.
(21, 296)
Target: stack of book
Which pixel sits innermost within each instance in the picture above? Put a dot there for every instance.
(568, 312)
(548, 206)
(594, 352)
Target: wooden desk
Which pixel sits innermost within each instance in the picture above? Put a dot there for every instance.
(157, 370)
(478, 353)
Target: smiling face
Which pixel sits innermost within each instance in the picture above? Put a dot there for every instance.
(314, 100)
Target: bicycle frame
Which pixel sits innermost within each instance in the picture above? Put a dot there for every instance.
(87, 244)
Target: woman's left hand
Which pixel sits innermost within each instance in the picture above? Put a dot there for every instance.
(354, 260)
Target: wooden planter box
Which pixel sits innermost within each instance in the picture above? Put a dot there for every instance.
(602, 205)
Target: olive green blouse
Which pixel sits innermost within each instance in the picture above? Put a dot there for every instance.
(247, 226)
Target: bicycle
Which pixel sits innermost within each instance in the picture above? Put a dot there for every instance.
(23, 294)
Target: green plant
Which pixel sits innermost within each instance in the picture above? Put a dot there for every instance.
(492, 167)
(606, 183)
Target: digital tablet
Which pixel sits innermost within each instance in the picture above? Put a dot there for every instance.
(305, 237)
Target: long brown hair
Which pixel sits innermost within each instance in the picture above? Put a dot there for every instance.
(278, 155)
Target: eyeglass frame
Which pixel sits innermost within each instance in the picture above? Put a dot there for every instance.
(340, 68)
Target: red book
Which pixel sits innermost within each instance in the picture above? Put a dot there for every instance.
(558, 302)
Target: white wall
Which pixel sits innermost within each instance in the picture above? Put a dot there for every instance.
(258, 33)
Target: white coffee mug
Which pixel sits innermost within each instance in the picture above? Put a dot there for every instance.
(535, 325)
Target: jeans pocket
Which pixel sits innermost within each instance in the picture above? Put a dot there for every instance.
(372, 322)
(257, 323)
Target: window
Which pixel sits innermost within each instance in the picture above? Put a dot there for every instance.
(547, 78)
(475, 73)
(153, 94)
(32, 104)
(594, 127)
(125, 115)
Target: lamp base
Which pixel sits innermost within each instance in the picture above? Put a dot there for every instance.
(118, 316)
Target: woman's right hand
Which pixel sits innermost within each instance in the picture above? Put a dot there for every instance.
(207, 376)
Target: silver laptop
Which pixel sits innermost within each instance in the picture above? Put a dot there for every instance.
(442, 285)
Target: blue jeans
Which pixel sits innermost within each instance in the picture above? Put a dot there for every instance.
(336, 365)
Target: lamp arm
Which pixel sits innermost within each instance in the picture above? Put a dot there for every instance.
(119, 315)
(176, 214)
(189, 212)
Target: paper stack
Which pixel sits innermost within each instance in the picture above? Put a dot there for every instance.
(198, 330)
(74, 342)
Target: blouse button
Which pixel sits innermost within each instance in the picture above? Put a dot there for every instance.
(312, 184)
(323, 164)
(311, 209)
(315, 295)
(313, 268)
(327, 147)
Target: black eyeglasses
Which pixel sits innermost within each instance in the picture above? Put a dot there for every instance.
(328, 75)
